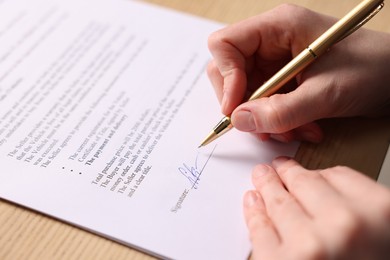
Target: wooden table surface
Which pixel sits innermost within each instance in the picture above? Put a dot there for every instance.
(358, 143)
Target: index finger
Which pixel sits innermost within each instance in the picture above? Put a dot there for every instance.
(234, 49)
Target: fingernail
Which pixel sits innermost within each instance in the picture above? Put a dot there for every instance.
(244, 121)
(251, 198)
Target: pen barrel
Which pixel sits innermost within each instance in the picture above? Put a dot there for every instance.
(346, 25)
(289, 71)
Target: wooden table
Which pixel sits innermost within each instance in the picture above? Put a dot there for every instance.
(358, 143)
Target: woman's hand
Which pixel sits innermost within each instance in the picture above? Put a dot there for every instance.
(336, 213)
(352, 79)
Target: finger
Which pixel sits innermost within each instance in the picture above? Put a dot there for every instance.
(265, 239)
(234, 49)
(369, 197)
(287, 215)
(234, 82)
(216, 79)
(231, 66)
(309, 187)
(341, 177)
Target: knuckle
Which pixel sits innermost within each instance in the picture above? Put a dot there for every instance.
(332, 172)
(277, 116)
(287, 7)
(300, 179)
(282, 201)
(340, 168)
(296, 175)
(282, 204)
(350, 225)
(335, 94)
(335, 171)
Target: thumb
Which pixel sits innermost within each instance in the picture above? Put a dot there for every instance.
(281, 113)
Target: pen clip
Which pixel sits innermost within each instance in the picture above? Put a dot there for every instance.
(365, 20)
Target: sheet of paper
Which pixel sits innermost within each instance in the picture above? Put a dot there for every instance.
(103, 106)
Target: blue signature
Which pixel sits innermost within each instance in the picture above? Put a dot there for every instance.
(193, 173)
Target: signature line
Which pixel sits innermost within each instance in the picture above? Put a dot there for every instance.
(204, 166)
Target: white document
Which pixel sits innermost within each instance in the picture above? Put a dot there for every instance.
(102, 107)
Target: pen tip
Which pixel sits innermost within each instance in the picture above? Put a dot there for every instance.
(212, 136)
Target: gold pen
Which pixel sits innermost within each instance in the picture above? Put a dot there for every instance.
(344, 27)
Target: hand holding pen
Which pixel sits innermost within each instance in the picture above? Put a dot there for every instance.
(339, 83)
